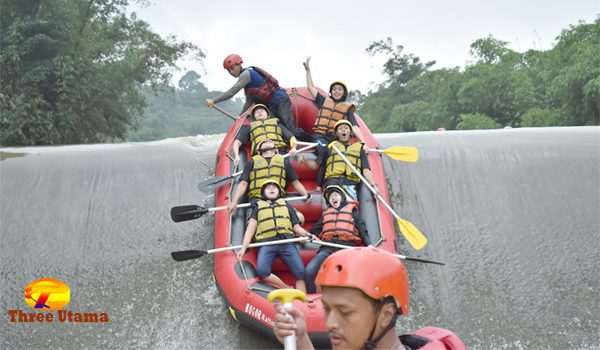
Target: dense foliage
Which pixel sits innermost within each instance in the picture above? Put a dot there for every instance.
(181, 111)
(72, 71)
(502, 87)
(82, 71)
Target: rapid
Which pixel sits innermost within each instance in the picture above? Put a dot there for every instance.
(514, 213)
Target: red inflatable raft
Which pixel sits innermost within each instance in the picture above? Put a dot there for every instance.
(244, 294)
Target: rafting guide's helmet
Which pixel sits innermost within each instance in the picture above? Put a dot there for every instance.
(343, 85)
(259, 106)
(264, 187)
(353, 268)
(232, 60)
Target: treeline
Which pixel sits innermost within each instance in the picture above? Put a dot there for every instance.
(84, 71)
(181, 111)
(502, 87)
(75, 71)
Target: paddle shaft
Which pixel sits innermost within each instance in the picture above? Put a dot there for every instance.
(289, 342)
(245, 205)
(310, 145)
(185, 255)
(314, 143)
(225, 112)
(377, 150)
(399, 256)
(230, 115)
(362, 178)
(254, 245)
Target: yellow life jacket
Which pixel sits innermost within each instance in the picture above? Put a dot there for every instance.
(337, 167)
(329, 114)
(264, 170)
(261, 130)
(273, 218)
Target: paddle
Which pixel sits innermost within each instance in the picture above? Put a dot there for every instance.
(230, 115)
(191, 212)
(225, 112)
(218, 181)
(402, 257)
(193, 254)
(412, 234)
(402, 153)
(287, 297)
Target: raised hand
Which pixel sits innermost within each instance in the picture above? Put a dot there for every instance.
(306, 63)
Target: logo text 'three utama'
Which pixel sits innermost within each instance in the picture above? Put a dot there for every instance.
(50, 294)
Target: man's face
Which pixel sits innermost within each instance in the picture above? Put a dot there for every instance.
(343, 133)
(349, 317)
(271, 191)
(337, 92)
(335, 199)
(235, 70)
(267, 149)
(260, 114)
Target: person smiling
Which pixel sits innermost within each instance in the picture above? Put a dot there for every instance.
(333, 169)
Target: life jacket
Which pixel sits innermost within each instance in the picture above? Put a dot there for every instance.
(261, 130)
(339, 224)
(261, 86)
(329, 114)
(264, 170)
(337, 167)
(433, 338)
(273, 218)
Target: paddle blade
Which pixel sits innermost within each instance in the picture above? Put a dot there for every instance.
(406, 154)
(188, 255)
(187, 212)
(412, 234)
(213, 182)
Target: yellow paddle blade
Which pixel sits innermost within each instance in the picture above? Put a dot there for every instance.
(412, 234)
(407, 154)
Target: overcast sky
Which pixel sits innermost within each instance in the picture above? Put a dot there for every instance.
(278, 35)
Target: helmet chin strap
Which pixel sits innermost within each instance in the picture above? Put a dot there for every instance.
(371, 344)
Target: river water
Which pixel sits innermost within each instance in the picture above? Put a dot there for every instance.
(514, 213)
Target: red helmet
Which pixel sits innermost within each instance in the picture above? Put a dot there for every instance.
(374, 271)
(232, 60)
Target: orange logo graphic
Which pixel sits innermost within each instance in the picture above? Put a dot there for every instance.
(47, 294)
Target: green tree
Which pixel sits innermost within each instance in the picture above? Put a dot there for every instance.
(560, 86)
(574, 74)
(399, 67)
(73, 70)
(175, 112)
(476, 121)
(541, 117)
(489, 50)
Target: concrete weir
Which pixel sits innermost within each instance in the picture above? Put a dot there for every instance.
(515, 214)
